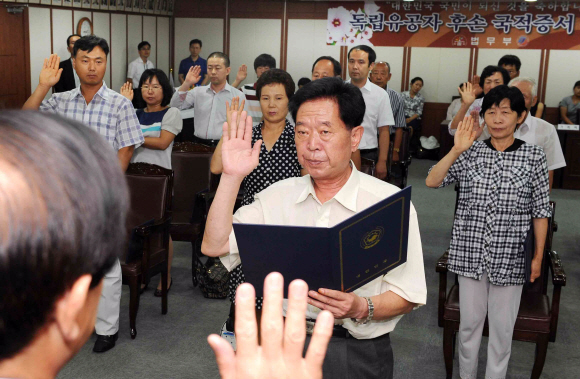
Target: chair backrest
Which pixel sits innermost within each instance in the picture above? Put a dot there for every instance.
(540, 285)
(150, 188)
(190, 163)
(404, 153)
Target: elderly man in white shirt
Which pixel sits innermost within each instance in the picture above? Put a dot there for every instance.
(535, 130)
(328, 114)
(378, 118)
(209, 101)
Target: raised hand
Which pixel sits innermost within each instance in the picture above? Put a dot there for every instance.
(127, 90)
(282, 343)
(476, 88)
(467, 93)
(234, 108)
(477, 126)
(465, 135)
(242, 73)
(239, 158)
(50, 73)
(193, 76)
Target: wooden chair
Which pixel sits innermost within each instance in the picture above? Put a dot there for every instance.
(537, 319)
(190, 162)
(149, 220)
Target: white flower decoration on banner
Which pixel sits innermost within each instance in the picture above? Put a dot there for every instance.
(339, 30)
(337, 23)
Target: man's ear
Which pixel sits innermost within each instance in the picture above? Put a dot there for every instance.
(69, 306)
(534, 101)
(356, 135)
(229, 69)
(522, 118)
(389, 77)
(371, 66)
(73, 60)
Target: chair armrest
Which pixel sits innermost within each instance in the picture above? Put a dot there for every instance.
(558, 273)
(442, 262)
(145, 231)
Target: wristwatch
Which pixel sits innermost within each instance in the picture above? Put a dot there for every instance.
(370, 315)
(396, 149)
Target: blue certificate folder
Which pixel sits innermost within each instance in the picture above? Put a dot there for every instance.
(344, 257)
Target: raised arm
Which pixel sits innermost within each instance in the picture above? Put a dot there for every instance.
(49, 76)
(468, 95)
(193, 76)
(464, 138)
(239, 159)
(215, 165)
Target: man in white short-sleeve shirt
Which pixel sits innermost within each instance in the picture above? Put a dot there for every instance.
(535, 130)
(209, 101)
(378, 118)
(139, 65)
(328, 114)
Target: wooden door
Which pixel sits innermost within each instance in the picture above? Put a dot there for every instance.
(14, 61)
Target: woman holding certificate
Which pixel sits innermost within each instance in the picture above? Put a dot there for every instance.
(504, 192)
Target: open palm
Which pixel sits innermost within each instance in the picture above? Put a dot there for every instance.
(239, 158)
(50, 73)
(467, 93)
(465, 135)
(193, 75)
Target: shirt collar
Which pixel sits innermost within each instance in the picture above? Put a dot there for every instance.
(367, 86)
(346, 195)
(513, 147)
(102, 92)
(526, 125)
(226, 88)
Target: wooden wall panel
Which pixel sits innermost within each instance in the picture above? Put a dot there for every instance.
(433, 114)
(308, 10)
(201, 8)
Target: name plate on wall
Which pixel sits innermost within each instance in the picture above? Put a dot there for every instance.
(569, 127)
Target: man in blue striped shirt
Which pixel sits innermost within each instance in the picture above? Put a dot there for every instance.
(113, 117)
(380, 75)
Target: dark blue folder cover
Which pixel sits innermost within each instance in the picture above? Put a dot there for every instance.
(344, 257)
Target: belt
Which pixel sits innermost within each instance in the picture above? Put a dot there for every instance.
(337, 331)
(209, 142)
(369, 150)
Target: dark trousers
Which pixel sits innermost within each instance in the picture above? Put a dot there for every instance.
(415, 142)
(349, 358)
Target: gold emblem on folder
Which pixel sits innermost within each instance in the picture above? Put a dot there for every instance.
(371, 238)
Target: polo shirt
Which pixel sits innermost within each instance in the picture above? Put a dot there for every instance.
(378, 113)
(136, 69)
(293, 202)
(210, 108)
(187, 63)
(252, 103)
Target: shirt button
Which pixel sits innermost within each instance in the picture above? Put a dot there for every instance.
(494, 187)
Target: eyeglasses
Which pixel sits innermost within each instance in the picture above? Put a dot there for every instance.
(153, 88)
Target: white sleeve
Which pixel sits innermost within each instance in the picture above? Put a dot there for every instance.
(183, 100)
(130, 71)
(553, 150)
(172, 121)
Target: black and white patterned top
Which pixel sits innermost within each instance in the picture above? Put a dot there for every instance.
(280, 163)
(413, 105)
(500, 192)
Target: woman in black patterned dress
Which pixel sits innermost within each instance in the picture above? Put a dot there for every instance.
(278, 159)
(504, 191)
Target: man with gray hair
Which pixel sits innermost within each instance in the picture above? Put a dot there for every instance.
(535, 130)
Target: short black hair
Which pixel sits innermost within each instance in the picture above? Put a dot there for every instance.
(349, 99)
(510, 60)
(276, 76)
(303, 81)
(71, 36)
(335, 63)
(62, 216)
(496, 95)
(417, 78)
(219, 54)
(577, 84)
(490, 70)
(88, 43)
(264, 60)
(195, 41)
(367, 49)
(144, 43)
(163, 81)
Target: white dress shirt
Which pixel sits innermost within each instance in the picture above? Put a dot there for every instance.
(378, 113)
(538, 132)
(210, 108)
(293, 202)
(476, 106)
(136, 69)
